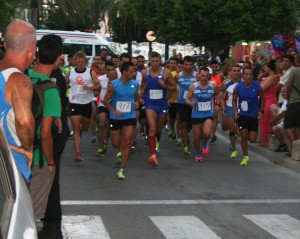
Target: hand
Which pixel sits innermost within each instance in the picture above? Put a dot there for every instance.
(162, 83)
(58, 123)
(236, 115)
(51, 168)
(117, 113)
(136, 105)
(85, 87)
(260, 115)
(28, 154)
(217, 109)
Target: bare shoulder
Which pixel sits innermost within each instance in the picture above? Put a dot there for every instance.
(21, 81)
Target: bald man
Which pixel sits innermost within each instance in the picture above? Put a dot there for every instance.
(16, 93)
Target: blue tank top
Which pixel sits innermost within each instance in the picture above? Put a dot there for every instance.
(123, 99)
(155, 94)
(248, 99)
(204, 106)
(7, 117)
(184, 84)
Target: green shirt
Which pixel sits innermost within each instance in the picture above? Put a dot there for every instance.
(52, 107)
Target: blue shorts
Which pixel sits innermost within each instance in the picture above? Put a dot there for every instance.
(229, 111)
(160, 110)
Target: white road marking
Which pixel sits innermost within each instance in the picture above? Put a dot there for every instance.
(178, 202)
(183, 227)
(281, 226)
(81, 226)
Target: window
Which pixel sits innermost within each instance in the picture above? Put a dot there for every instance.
(73, 48)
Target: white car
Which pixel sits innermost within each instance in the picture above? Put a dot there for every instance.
(16, 213)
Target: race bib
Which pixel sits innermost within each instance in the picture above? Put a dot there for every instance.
(204, 106)
(244, 106)
(156, 94)
(185, 94)
(78, 90)
(124, 106)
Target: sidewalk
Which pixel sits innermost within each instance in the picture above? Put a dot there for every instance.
(275, 157)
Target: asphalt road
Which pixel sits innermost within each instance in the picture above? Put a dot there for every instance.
(216, 198)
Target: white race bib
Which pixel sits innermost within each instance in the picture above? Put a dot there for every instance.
(204, 106)
(124, 106)
(244, 106)
(156, 94)
(185, 94)
(78, 90)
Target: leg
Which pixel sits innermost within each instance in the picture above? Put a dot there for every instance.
(152, 119)
(76, 120)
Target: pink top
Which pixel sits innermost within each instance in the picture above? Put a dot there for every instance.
(270, 93)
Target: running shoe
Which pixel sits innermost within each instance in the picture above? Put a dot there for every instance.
(93, 139)
(78, 157)
(104, 147)
(198, 158)
(157, 147)
(100, 152)
(245, 161)
(213, 139)
(118, 158)
(120, 174)
(178, 141)
(205, 149)
(153, 160)
(186, 150)
(233, 154)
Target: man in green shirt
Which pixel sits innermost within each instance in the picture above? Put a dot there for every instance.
(49, 55)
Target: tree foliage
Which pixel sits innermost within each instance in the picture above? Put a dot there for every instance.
(215, 24)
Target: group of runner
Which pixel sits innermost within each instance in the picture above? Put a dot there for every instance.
(126, 92)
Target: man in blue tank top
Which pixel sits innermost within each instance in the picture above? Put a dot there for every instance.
(16, 93)
(248, 105)
(155, 83)
(200, 97)
(121, 99)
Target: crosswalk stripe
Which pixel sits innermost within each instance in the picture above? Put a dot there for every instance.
(281, 226)
(187, 227)
(81, 226)
(178, 202)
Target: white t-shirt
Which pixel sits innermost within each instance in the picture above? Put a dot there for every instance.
(77, 80)
(104, 83)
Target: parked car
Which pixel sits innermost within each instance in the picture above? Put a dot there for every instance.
(16, 213)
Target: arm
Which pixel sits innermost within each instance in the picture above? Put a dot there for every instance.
(234, 103)
(20, 99)
(189, 97)
(47, 141)
(143, 84)
(271, 81)
(217, 97)
(106, 100)
(96, 86)
(68, 79)
(171, 84)
(261, 102)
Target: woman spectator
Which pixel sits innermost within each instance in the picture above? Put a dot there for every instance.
(269, 88)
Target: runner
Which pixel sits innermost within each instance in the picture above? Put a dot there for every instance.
(156, 81)
(248, 105)
(184, 80)
(201, 96)
(82, 82)
(103, 112)
(122, 99)
(228, 121)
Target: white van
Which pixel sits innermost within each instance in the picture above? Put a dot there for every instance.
(89, 43)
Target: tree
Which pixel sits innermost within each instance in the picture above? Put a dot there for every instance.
(215, 24)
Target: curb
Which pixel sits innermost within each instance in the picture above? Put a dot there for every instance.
(275, 157)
